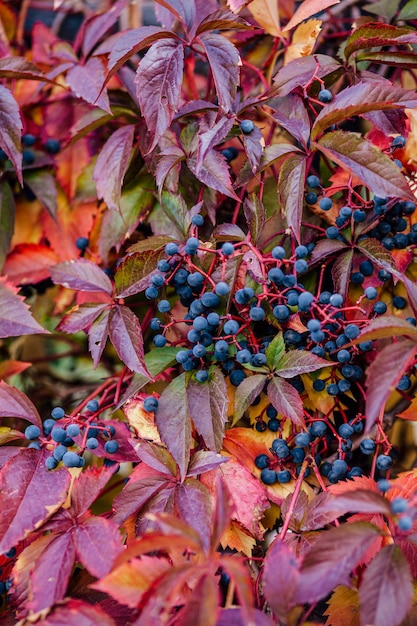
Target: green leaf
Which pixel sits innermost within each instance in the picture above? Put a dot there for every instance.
(359, 99)
(7, 217)
(385, 8)
(176, 209)
(286, 400)
(291, 183)
(275, 351)
(398, 58)
(376, 34)
(173, 422)
(134, 274)
(207, 406)
(362, 159)
(409, 11)
(245, 394)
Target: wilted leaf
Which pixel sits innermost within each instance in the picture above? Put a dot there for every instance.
(126, 336)
(291, 190)
(224, 61)
(21, 477)
(111, 165)
(10, 130)
(286, 400)
(81, 275)
(386, 592)
(303, 40)
(280, 576)
(15, 318)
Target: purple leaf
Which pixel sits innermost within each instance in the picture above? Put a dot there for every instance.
(326, 247)
(299, 362)
(157, 457)
(43, 185)
(111, 165)
(275, 152)
(362, 98)
(255, 216)
(173, 422)
(383, 374)
(77, 613)
(7, 220)
(333, 556)
(15, 318)
(292, 115)
(183, 10)
(299, 72)
(195, 106)
(10, 130)
(87, 487)
(204, 461)
(98, 25)
(213, 172)
(358, 501)
(21, 477)
(291, 190)
(97, 336)
(212, 137)
(281, 572)
(387, 326)
(286, 400)
(169, 160)
(89, 539)
(194, 506)
(224, 61)
(81, 275)
(19, 67)
(14, 403)
(377, 34)
(134, 274)
(80, 317)
(229, 232)
(126, 336)
(318, 514)
(86, 81)
(246, 392)
(158, 80)
(207, 406)
(234, 617)
(341, 272)
(254, 146)
(362, 159)
(386, 592)
(220, 20)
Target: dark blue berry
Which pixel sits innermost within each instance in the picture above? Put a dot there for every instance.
(247, 126)
(268, 476)
(32, 432)
(367, 446)
(325, 204)
(325, 95)
(81, 243)
(58, 413)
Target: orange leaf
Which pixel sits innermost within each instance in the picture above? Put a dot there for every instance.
(29, 263)
(266, 14)
(303, 40)
(10, 368)
(343, 607)
(410, 413)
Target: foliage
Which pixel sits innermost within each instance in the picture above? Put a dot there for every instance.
(208, 312)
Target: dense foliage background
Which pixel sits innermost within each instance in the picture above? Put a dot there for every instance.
(208, 313)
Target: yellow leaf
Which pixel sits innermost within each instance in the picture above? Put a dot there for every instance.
(266, 14)
(343, 607)
(142, 421)
(8, 434)
(303, 40)
(237, 538)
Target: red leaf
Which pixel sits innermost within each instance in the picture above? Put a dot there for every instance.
(224, 61)
(213, 172)
(97, 336)
(360, 500)
(29, 263)
(10, 130)
(89, 539)
(43, 185)
(85, 82)
(331, 559)
(208, 407)
(212, 137)
(158, 80)
(375, 34)
(386, 591)
(239, 575)
(126, 336)
(299, 72)
(14, 403)
(222, 513)
(204, 461)
(23, 476)
(292, 115)
(80, 317)
(111, 165)
(299, 362)
(375, 169)
(281, 572)
(87, 487)
(194, 506)
(286, 400)
(156, 457)
(383, 374)
(81, 275)
(76, 613)
(173, 421)
(201, 606)
(15, 318)
(98, 25)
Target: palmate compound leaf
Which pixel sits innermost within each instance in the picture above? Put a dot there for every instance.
(333, 556)
(126, 336)
(362, 159)
(386, 592)
(15, 318)
(383, 374)
(111, 165)
(375, 34)
(158, 80)
(23, 476)
(281, 572)
(81, 275)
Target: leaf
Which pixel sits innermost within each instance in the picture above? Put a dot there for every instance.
(383, 374)
(126, 336)
(222, 20)
(202, 606)
(14, 403)
(207, 407)
(89, 538)
(343, 607)
(266, 14)
(87, 487)
(299, 72)
(375, 34)
(341, 271)
(176, 209)
(214, 172)
(204, 461)
(292, 115)
(194, 506)
(85, 82)
(10, 130)
(97, 25)
(184, 11)
(173, 421)
(15, 318)
(299, 362)
(281, 571)
(9, 367)
(7, 220)
(224, 60)
(384, 8)
(43, 185)
(275, 351)
(332, 557)
(97, 336)
(307, 9)
(409, 11)
(29, 263)
(111, 165)
(135, 272)
(326, 248)
(156, 457)
(19, 67)
(291, 190)
(410, 413)
(303, 40)
(358, 501)
(359, 99)
(158, 80)
(362, 159)
(212, 137)
(80, 317)
(21, 477)
(254, 146)
(387, 326)
(386, 592)
(81, 275)
(76, 613)
(233, 616)
(255, 216)
(286, 400)
(389, 58)
(246, 392)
